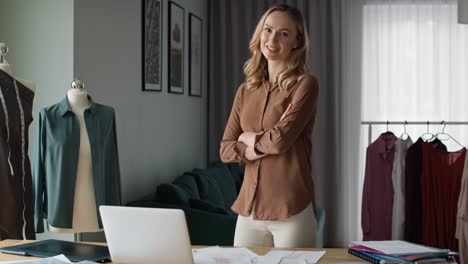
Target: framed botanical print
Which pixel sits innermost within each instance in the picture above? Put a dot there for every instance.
(151, 44)
(176, 48)
(195, 55)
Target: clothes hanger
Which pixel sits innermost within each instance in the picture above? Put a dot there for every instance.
(405, 133)
(427, 137)
(438, 135)
(388, 135)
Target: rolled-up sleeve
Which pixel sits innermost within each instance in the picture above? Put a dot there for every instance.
(282, 136)
(231, 149)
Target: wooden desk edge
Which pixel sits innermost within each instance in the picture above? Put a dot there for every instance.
(332, 255)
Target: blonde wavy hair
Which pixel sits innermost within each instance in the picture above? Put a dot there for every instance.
(256, 68)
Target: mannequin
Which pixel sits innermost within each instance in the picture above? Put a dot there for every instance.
(76, 166)
(16, 101)
(6, 67)
(84, 209)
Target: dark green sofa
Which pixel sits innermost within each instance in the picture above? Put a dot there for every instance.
(206, 196)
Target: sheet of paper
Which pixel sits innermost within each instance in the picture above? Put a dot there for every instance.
(291, 257)
(214, 255)
(60, 259)
(397, 247)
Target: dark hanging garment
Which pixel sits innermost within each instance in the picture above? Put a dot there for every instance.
(413, 172)
(16, 211)
(462, 216)
(377, 196)
(440, 188)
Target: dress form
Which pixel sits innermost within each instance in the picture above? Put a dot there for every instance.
(84, 209)
(16, 190)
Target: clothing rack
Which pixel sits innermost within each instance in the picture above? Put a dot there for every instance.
(427, 123)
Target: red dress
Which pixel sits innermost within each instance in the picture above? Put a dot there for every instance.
(440, 187)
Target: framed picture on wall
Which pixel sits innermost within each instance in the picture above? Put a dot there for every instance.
(176, 48)
(195, 55)
(151, 44)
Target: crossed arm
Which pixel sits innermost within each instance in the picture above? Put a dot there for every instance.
(249, 138)
(244, 146)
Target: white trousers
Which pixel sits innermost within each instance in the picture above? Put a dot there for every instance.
(298, 231)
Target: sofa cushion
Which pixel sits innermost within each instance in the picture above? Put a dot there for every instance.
(237, 173)
(209, 189)
(188, 183)
(236, 170)
(206, 206)
(219, 181)
(172, 194)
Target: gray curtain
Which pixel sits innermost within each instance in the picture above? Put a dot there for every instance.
(335, 28)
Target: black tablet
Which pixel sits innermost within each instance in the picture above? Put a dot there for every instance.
(52, 247)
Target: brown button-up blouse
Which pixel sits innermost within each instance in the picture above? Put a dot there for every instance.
(280, 184)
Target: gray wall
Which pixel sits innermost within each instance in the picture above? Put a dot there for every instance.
(39, 35)
(160, 135)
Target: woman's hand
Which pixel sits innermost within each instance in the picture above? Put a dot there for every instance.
(248, 138)
(251, 154)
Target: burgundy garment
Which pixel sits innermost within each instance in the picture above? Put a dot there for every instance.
(16, 210)
(413, 171)
(462, 216)
(440, 188)
(377, 197)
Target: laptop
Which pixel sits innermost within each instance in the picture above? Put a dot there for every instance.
(146, 235)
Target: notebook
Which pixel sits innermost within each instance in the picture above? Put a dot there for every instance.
(399, 247)
(376, 257)
(397, 251)
(52, 247)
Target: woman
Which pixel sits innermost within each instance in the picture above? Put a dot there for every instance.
(269, 130)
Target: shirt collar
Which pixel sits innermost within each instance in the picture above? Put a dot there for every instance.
(64, 106)
(268, 85)
(386, 142)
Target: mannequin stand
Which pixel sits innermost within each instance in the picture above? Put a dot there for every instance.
(78, 237)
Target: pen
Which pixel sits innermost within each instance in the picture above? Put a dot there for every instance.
(15, 252)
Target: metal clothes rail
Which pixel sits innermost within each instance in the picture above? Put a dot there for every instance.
(427, 123)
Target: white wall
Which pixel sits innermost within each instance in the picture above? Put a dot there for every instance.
(160, 135)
